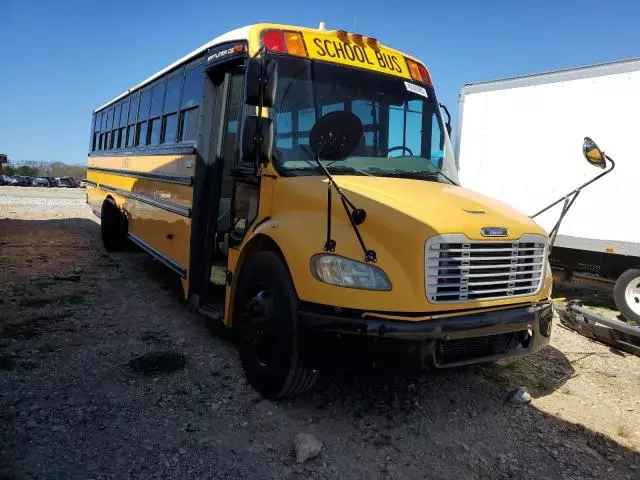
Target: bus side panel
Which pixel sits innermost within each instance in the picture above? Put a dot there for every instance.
(158, 210)
(95, 196)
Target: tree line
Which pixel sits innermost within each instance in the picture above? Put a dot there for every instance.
(57, 169)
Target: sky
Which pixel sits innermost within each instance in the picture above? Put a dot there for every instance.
(60, 59)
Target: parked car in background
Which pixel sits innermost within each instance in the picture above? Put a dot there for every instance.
(52, 181)
(20, 181)
(83, 183)
(67, 182)
(40, 182)
(2, 182)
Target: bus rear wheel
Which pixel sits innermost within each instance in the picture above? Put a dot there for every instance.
(113, 226)
(626, 294)
(266, 308)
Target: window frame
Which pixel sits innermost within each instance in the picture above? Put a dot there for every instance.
(162, 81)
(185, 111)
(130, 140)
(95, 130)
(115, 126)
(131, 135)
(166, 113)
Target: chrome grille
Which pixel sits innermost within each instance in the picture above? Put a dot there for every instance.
(463, 270)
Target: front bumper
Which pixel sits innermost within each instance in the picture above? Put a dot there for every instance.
(447, 342)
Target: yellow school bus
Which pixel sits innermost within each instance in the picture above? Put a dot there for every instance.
(308, 174)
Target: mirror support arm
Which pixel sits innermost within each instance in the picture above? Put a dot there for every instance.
(568, 200)
(565, 208)
(446, 110)
(330, 244)
(263, 80)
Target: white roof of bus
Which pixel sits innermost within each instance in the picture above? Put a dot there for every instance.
(241, 33)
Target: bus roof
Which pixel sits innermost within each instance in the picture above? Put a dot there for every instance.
(245, 33)
(241, 33)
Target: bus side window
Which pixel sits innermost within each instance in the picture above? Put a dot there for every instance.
(190, 104)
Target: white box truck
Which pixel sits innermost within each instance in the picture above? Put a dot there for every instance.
(519, 140)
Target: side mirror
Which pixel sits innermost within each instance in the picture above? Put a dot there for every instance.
(257, 145)
(592, 153)
(261, 79)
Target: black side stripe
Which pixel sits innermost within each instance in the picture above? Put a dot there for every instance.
(186, 149)
(162, 177)
(90, 182)
(179, 269)
(156, 202)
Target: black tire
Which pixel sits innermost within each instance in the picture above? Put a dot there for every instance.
(629, 279)
(113, 226)
(265, 320)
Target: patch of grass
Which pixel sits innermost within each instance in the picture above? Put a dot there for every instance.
(547, 384)
(510, 366)
(623, 431)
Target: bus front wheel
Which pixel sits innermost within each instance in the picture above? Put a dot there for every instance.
(266, 307)
(113, 226)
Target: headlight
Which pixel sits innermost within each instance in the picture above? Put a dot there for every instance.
(343, 272)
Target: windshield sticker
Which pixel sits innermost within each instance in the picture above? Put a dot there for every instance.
(416, 89)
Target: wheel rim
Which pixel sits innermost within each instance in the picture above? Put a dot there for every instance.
(258, 325)
(632, 295)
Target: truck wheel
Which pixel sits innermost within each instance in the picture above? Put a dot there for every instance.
(266, 308)
(113, 226)
(626, 294)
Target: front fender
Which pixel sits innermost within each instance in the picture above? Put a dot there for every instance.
(301, 234)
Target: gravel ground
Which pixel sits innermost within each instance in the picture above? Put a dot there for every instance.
(72, 317)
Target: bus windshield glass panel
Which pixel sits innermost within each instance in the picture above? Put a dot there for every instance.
(404, 134)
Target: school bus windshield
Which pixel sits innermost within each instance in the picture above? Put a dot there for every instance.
(404, 135)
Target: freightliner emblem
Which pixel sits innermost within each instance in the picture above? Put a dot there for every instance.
(494, 232)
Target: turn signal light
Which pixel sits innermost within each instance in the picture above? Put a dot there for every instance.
(343, 35)
(295, 44)
(419, 73)
(372, 42)
(284, 42)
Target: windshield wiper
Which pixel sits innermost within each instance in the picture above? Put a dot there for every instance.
(335, 169)
(417, 174)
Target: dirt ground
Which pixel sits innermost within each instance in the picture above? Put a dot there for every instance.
(73, 316)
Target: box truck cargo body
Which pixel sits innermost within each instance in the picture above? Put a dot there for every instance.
(519, 140)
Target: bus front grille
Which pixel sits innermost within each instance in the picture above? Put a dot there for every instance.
(463, 270)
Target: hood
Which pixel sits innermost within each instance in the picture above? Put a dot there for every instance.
(439, 207)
